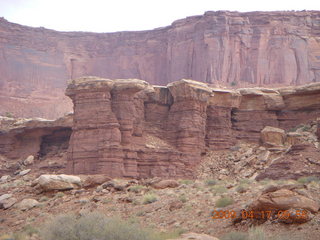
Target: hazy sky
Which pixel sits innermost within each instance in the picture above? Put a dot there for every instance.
(121, 15)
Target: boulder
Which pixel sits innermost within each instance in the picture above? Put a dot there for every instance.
(58, 182)
(168, 183)
(284, 199)
(4, 178)
(24, 172)
(114, 185)
(27, 204)
(7, 201)
(29, 160)
(5, 196)
(296, 215)
(195, 236)
(273, 136)
(89, 181)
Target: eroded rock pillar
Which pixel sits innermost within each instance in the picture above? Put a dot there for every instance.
(95, 141)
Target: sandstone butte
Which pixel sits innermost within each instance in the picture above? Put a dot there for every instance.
(130, 128)
(222, 48)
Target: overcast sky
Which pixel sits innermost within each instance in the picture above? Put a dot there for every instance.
(122, 15)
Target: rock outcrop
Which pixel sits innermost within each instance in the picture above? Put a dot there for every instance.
(28, 140)
(133, 129)
(223, 48)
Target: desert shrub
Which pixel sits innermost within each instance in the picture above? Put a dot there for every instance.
(211, 182)
(185, 181)
(136, 188)
(59, 195)
(24, 234)
(233, 83)
(9, 115)
(305, 128)
(93, 226)
(309, 179)
(235, 236)
(265, 181)
(149, 198)
(242, 188)
(257, 233)
(245, 181)
(183, 198)
(43, 199)
(224, 201)
(218, 189)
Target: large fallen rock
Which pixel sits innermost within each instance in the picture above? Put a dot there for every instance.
(168, 183)
(89, 181)
(57, 182)
(284, 199)
(195, 236)
(273, 136)
(27, 204)
(7, 201)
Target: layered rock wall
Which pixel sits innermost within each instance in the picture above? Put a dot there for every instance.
(133, 129)
(223, 48)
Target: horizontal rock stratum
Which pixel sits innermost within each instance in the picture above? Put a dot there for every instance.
(129, 128)
(223, 48)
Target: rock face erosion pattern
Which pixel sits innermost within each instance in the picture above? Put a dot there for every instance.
(129, 128)
(223, 48)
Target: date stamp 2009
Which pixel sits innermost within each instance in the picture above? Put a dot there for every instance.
(285, 214)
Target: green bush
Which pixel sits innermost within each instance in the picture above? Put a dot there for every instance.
(185, 181)
(93, 226)
(235, 236)
(9, 115)
(309, 179)
(149, 198)
(257, 233)
(136, 188)
(59, 195)
(242, 188)
(183, 198)
(218, 189)
(211, 182)
(224, 201)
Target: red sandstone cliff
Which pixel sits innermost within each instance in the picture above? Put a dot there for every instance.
(127, 127)
(224, 48)
(116, 123)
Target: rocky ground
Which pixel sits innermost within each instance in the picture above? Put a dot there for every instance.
(226, 183)
(169, 205)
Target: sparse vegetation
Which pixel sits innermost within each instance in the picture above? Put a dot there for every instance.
(211, 182)
(59, 195)
(244, 181)
(185, 181)
(242, 188)
(183, 198)
(233, 83)
(136, 188)
(257, 233)
(218, 189)
(43, 199)
(149, 198)
(9, 115)
(234, 235)
(224, 201)
(94, 226)
(309, 179)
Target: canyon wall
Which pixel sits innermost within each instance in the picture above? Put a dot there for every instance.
(129, 128)
(221, 48)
